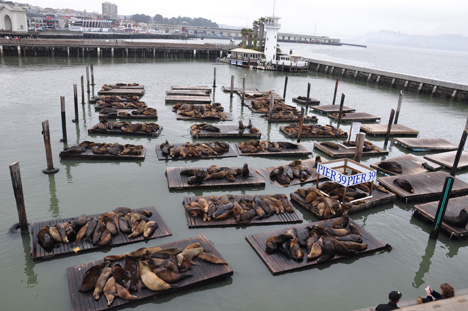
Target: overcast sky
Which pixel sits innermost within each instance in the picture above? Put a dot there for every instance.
(337, 18)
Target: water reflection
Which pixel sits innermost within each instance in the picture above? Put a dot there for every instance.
(77, 126)
(53, 207)
(425, 263)
(29, 263)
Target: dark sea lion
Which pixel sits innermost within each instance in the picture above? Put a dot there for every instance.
(341, 222)
(266, 207)
(54, 233)
(222, 209)
(403, 184)
(45, 239)
(81, 233)
(62, 231)
(91, 227)
(315, 250)
(354, 229)
(101, 282)
(105, 239)
(428, 167)
(245, 170)
(341, 248)
(355, 246)
(91, 276)
(350, 237)
(328, 250)
(318, 160)
(100, 228)
(171, 276)
(247, 216)
(459, 221)
(391, 166)
(273, 242)
(124, 224)
(303, 235)
(210, 128)
(122, 210)
(295, 251)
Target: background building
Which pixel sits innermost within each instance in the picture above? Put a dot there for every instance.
(109, 10)
(12, 17)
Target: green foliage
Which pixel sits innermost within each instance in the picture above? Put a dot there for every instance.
(141, 18)
(187, 21)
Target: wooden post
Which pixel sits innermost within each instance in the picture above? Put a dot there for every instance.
(285, 87)
(87, 82)
(214, 77)
(301, 124)
(272, 103)
(461, 146)
(389, 128)
(75, 97)
(397, 114)
(18, 190)
(46, 134)
(232, 85)
(308, 96)
(361, 137)
(64, 122)
(82, 90)
(243, 90)
(443, 202)
(92, 75)
(341, 108)
(336, 89)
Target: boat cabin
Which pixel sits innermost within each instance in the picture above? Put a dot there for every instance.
(245, 57)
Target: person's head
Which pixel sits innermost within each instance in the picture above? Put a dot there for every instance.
(395, 296)
(447, 290)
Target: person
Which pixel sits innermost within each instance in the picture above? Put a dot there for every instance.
(446, 291)
(394, 297)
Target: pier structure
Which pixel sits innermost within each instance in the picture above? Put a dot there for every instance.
(409, 83)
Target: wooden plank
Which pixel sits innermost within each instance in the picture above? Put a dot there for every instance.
(307, 129)
(427, 186)
(38, 253)
(355, 117)
(326, 109)
(188, 92)
(378, 198)
(446, 159)
(425, 144)
(131, 86)
(112, 98)
(454, 206)
(231, 153)
(192, 87)
(346, 151)
(89, 155)
(278, 263)
(266, 107)
(381, 130)
(201, 274)
(186, 118)
(172, 99)
(295, 119)
(227, 131)
(310, 163)
(284, 218)
(410, 164)
(301, 150)
(303, 100)
(120, 105)
(120, 132)
(137, 92)
(126, 117)
(238, 90)
(176, 181)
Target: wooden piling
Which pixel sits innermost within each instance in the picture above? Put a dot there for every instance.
(285, 87)
(272, 103)
(443, 202)
(361, 137)
(308, 96)
(75, 97)
(336, 89)
(389, 128)
(214, 77)
(301, 125)
(92, 75)
(243, 90)
(400, 99)
(232, 85)
(46, 134)
(64, 122)
(18, 190)
(87, 81)
(341, 107)
(82, 90)
(460, 150)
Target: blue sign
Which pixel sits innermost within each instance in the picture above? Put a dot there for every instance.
(343, 179)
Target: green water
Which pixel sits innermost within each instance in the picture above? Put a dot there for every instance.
(31, 90)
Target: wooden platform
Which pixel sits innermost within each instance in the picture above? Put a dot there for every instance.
(250, 106)
(126, 105)
(310, 163)
(345, 151)
(188, 92)
(120, 132)
(125, 86)
(381, 130)
(173, 99)
(446, 159)
(307, 119)
(38, 253)
(186, 118)
(378, 198)
(312, 101)
(278, 263)
(132, 117)
(137, 92)
(355, 117)
(177, 182)
(301, 150)
(410, 164)
(192, 87)
(89, 155)
(230, 154)
(283, 218)
(427, 186)
(202, 274)
(227, 131)
(238, 90)
(455, 205)
(425, 144)
(305, 135)
(326, 109)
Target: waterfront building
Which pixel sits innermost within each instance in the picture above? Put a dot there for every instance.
(245, 57)
(109, 10)
(272, 28)
(89, 24)
(45, 22)
(12, 17)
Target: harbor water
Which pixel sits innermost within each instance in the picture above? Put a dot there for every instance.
(31, 90)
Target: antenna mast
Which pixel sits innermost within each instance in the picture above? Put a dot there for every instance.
(274, 5)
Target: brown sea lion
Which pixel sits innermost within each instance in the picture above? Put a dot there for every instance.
(341, 222)
(330, 145)
(171, 276)
(404, 184)
(45, 239)
(295, 251)
(62, 231)
(189, 254)
(355, 246)
(101, 282)
(124, 293)
(273, 242)
(138, 229)
(391, 166)
(54, 233)
(109, 290)
(459, 221)
(91, 276)
(315, 250)
(341, 248)
(149, 228)
(212, 259)
(150, 279)
(328, 250)
(105, 239)
(350, 237)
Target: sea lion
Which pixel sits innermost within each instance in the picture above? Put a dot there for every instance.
(210, 128)
(124, 224)
(341, 248)
(303, 235)
(212, 259)
(189, 254)
(150, 279)
(62, 231)
(404, 184)
(391, 166)
(138, 229)
(273, 242)
(149, 228)
(428, 167)
(124, 293)
(45, 239)
(171, 276)
(342, 222)
(54, 233)
(105, 239)
(109, 290)
(295, 251)
(328, 250)
(101, 282)
(355, 246)
(350, 237)
(91, 276)
(315, 250)
(330, 145)
(459, 221)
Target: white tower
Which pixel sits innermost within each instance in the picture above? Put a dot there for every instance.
(272, 28)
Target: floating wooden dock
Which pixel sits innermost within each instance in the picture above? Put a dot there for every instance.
(346, 151)
(120, 132)
(177, 182)
(283, 218)
(120, 105)
(188, 92)
(131, 86)
(326, 109)
(427, 186)
(201, 274)
(173, 99)
(310, 163)
(205, 88)
(381, 130)
(38, 253)
(227, 131)
(251, 107)
(454, 206)
(378, 198)
(301, 150)
(307, 119)
(89, 155)
(425, 144)
(447, 159)
(355, 117)
(278, 263)
(303, 100)
(410, 164)
(238, 90)
(186, 118)
(230, 154)
(136, 92)
(306, 135)
(126, 117)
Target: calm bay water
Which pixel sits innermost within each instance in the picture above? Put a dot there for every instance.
(31, 90)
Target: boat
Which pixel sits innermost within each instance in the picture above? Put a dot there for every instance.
(289, 62)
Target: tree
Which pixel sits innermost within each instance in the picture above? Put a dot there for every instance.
(141, 18)
(244, 34)
(261, 22)
(255, 32)
(250, 37)
(158, 19)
